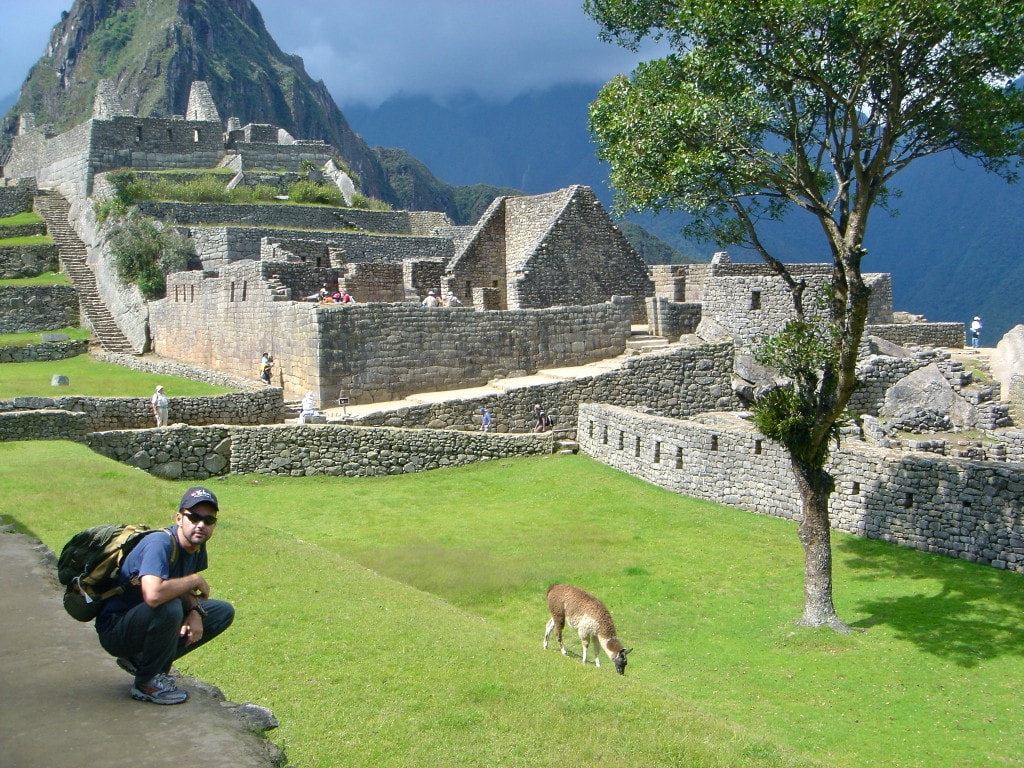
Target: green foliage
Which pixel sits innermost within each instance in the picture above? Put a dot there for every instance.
(716, 679)
(74, 333)
(144, 254)
(113, 34)
(360, 200)
(806, 353)
(310, 192)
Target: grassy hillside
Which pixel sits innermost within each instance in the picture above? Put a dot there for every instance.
(398, 621)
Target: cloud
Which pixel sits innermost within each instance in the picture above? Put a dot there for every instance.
(366, 52)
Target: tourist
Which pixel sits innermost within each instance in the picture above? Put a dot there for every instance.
(308, 408)
(266, 368)
(346, 298)
(430, 300)
(160, 404)
(486, 420)
(165, 610)
(454, 301)
(542, 423)
(976, 332)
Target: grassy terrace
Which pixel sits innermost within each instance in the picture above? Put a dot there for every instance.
(89, 376)
(47, 278)
(398, 621)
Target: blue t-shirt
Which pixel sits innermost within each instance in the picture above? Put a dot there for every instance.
(151, 557)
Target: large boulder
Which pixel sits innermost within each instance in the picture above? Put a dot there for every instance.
(925, 401)
(1008, 358)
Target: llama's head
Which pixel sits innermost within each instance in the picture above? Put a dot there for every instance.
(620, 660)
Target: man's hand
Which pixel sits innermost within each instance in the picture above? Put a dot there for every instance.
(192, 629)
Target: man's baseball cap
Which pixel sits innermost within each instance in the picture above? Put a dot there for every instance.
(198, 495)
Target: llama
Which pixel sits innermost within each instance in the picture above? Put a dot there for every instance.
(589, 617)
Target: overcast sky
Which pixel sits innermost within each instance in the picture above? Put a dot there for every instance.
(368, 51)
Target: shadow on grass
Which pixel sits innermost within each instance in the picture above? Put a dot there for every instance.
(964, 613)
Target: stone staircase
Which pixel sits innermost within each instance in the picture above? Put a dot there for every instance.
(54, 209)
(641, 341)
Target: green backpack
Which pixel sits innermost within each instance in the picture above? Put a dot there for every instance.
(89, 562)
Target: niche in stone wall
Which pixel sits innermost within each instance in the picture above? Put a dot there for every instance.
(755, 299)
(636, 446)
(138, 134)
(758, 447)
(657, 452)
(908, 501)
(622, 439)
(604, 435)
(679, 457)
(714, 443)
(855, 489)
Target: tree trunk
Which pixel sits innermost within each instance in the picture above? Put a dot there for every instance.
(816, 487)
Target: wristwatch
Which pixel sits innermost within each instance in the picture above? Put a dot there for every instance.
(198, 608)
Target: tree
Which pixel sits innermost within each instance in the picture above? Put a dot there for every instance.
(772, 106)
(144, 254)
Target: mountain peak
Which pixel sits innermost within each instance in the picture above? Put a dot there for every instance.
(153, 50)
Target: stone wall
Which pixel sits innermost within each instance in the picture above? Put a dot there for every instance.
(175, 453)
(672, 319)
(679, 383)
(219, 246)
(750, 302)
(378, 352)
(42, 425)
(185, 452)
(958, 508)
(422, 223)
(129, 413)
(28, 260)
(372, 352)
(34, 353)
(24, 309)
(920, 334)
(16, 196)
(358, 452)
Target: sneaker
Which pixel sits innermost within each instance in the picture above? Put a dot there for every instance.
(127, 665)
(160, 690)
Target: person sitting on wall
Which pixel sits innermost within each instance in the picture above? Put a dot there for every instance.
(453, 301)
(266, 368)
(346, 298)
(308, 408)
(431, 300)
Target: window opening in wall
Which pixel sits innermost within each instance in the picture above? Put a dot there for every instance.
(195, 136)
(232, 291)
(855, 490)
(758, 446)
(755, 299)
(245, 289)
(714, 442)
(193, 293)
(679, 457)
(657, 452)
(319, 261)
(967, 505)
(138, 133)
(494, 283)
(622, 439)
(636, 446)
(908, 500)
(590, 430)
(604, 435)
(170, 135)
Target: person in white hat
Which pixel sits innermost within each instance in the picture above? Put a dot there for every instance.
(431, 300)
(160, 404)
(976, 332)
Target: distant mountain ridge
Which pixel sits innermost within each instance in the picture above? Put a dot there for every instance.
(954, 250)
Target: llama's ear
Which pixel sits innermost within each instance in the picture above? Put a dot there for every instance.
(626, 650)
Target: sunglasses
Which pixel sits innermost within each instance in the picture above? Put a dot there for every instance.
(196, 518)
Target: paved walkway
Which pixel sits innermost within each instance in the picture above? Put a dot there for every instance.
(65, 703)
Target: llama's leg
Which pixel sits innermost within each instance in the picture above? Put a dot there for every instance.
(586, 646)
(547, 632)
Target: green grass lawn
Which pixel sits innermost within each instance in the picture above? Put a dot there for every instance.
(28, 240)
(20, 219)
(46, 278)
(88, 376)
(75, 333)
(398, 621)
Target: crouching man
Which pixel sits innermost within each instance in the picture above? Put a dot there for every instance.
(165, 610)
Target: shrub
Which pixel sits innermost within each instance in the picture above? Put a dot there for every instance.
(144, 254)
(311, 192)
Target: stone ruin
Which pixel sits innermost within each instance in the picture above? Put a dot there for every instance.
(539, 281)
